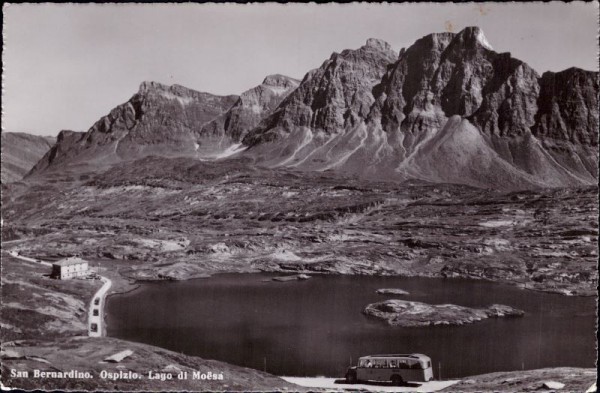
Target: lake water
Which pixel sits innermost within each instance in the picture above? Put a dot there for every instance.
(316, 327)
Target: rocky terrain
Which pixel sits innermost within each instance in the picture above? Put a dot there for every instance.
(448, 109)
(415, 314)
(567, 378)
(392, 291)
(252, 106)
(20, 152)
(178, 218)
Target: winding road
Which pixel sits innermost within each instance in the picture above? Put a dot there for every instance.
(16, 255)
(96, 311)
(96, 327)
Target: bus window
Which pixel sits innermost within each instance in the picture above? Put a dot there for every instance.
(365, 363)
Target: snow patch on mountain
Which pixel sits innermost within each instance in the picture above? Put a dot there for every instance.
(483, 40)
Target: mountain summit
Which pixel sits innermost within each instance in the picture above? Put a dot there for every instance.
(446, 109)
(158, 120)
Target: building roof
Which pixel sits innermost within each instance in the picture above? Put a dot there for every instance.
(70, 261)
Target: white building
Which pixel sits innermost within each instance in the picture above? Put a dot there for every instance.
(69, 268)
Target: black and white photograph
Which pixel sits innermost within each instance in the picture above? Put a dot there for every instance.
(302, 197)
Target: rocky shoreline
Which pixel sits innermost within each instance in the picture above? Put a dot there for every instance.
(392, 291)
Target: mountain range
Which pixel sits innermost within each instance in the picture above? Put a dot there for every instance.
(447, 109)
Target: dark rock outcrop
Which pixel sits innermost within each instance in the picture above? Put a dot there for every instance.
(252, 106)
(66, 146)
(567, 119)
(332, 96)
(567, 107)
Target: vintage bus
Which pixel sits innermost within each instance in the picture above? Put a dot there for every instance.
(395, 368)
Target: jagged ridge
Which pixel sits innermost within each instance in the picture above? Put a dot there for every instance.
(447, 109)
(251, 107)
(158, 120)
(514, 118)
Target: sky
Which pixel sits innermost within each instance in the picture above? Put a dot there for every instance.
(67, 65)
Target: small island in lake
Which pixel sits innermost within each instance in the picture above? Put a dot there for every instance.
(414, 314)
(392, 291)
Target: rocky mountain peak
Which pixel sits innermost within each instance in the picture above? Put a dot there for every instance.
(67, 134)
(157, 88)
(379, 44)
(146, 86)
(280, 81)
(473, 36)
(180, 93)
(331, 97)
(157, 120)
(432, 42)
(448, 109)
(251, 107)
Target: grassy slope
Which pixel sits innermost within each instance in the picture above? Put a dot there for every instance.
(20, 152)
(87, 354)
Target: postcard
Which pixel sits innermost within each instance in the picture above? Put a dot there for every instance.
(301, 197)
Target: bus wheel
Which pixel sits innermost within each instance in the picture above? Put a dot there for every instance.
(397, 380)
(351, 377)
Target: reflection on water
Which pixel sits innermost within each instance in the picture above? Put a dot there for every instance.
(316, 327)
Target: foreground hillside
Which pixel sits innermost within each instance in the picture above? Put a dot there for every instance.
(87, 354)
(179, 218)
(20, 152)
(572, 379)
